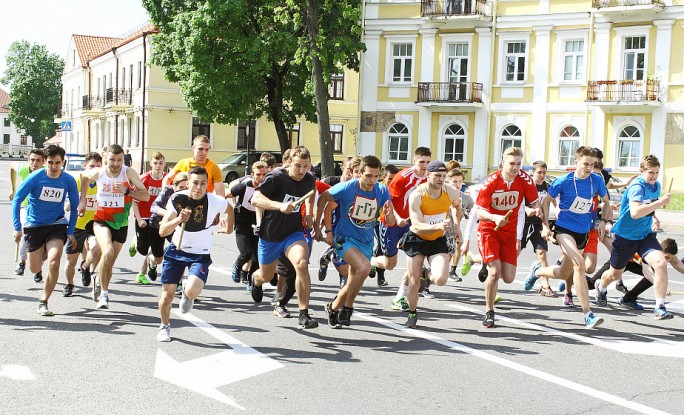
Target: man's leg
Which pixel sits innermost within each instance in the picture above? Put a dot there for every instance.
(492, 283)
(54, 249)
(109, 253)
(656, 259)
(569, 248)
(298, 254)
(359, 267)
(439, 268)
(166, 301)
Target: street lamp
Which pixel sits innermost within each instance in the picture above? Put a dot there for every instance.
(248, 138)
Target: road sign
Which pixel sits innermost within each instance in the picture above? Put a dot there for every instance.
(66, 126)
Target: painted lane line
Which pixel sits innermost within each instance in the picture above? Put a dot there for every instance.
(16, 372)
(604, 396)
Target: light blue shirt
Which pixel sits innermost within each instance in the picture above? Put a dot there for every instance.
(359, 210)
(574, 194)
(628, 227)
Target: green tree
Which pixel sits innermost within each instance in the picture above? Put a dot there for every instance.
(34, 76)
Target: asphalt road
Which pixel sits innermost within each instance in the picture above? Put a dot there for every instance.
(233, 356)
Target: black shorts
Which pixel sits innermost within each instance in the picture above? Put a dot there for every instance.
(148, 237)
(414, 245)
(284, 268)
(581, 239)
(81, 235)
(532, 233)
(119, 235)
(38, 236)
(624, 249)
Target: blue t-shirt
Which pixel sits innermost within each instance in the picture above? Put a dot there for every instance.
(576, 200)
(46, 198)
(628, 227)
(358, 209)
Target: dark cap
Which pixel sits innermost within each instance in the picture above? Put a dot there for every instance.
(436, 166)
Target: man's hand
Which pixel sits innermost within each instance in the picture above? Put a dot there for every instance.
(11, 196)
(81, 208)
(72, 238)
(308, 222)
(287, 208)
(500, 221)
(142, 223)
(601, 230)
(17, 236)
(329, 238)
(401, 222)
(665, 200)
(535, 212)
(464, 246)
(118, 187)
(546, 232)
(184, 215)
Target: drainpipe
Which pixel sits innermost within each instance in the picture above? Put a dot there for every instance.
(142, 112)
(490, 88)
(90, 101)
(359, 121)
(116, 97)
(590, 49)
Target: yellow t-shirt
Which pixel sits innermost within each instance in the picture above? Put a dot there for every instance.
(91, 204)
(213, 171)
(434, 210)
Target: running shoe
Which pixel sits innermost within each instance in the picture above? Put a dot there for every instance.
(465, 268)
(453, 274)
(372, 272)
(280, 311)
(274, 280)
(381, 278)
(412, 321)
(547, 292)
(43, 309)
(567, 300)
(164, 334)
(275, 301)
(132, 250)
(306, 322)
(323, 262)
(601, 297)
(142, 279)
(244, 277)
(256, 291)
(96, 290)
(483, 274)
(630, 304)
(332, 316)
(151, 269)
(426, 293)
(86, 277)
(497, 298)
(489, 319)
(68, 290)
(661, 313)
(591, 321)
(38, 277)
(235, 273)
(532, 276)
(103, 302)
(344, 316)
(561, 286)
(186, 303)
(400, 305)
(19, 270)
(620, 286)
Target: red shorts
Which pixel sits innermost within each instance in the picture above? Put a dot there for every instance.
(497, 245)
(592, 242)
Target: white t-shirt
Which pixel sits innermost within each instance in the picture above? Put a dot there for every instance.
(197, 234)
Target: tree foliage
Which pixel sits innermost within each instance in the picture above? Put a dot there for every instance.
(34, 76)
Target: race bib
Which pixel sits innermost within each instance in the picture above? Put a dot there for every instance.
(51, 194)
(434, 219)
(580, 205)
(91, 202)
(505, 200)
(110, 200)
(363, 210)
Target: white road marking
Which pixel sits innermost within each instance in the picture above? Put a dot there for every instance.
(16, 372)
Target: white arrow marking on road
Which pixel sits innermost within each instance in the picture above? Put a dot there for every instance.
(16, 372)
(653, 348)
(205, 374)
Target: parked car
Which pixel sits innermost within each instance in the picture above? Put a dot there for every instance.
(338, 168)
(234, 166)
(74, 164)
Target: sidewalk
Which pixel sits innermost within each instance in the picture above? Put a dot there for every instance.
(671, 219)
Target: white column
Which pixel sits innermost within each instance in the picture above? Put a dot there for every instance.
(368, 88)
(662, 65)
(427, 69)
(601, 51)
(537, 142)
(598, 129)
(481, 127)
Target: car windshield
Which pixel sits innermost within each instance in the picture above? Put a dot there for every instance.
(75, 164)
(234, 159)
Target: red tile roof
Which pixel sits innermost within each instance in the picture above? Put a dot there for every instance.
(90, 46)
(4, 100)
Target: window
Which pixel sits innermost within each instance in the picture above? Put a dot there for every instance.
(635, 58)
(629, 147)
(515, 61)
(336, 89)
(398, 143)
(511, 136)
(573, 60)
(458, 62)
(293, 135)
(402, 62)
(5, 138)
(243, 132)
(200, 128)
(23, 140)
(454, 143)
(139, 74)
(129, 133)
(138, 131)
(336, 137)
(6, 122)
(567, 146)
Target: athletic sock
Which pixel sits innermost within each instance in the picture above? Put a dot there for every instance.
(597, 284)
(401, 292)
(105, 292)
(660, 302)
(587, 313)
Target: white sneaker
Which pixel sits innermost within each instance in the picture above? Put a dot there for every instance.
(103, 302)
(185, 303)
(164, 334)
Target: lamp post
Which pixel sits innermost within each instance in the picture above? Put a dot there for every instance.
(248, 138)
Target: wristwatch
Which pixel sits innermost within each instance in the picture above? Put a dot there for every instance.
(127, 191)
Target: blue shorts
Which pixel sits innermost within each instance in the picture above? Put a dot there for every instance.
(309, 240)
(343, 243)
(269, 252)
(388, 237)
(176, 261)
(624, 249)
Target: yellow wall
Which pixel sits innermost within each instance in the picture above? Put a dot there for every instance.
(673, 167)
(398, 11)
(569, 6)
(677, 54)
(517, 8)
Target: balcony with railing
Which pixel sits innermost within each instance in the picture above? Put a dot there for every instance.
(449, 94)
(620, 5)
(623, 92)
(92, 105)
(117, 99)
(453, 8)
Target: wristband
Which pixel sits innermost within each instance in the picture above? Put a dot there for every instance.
(328, 231)
(127, 191)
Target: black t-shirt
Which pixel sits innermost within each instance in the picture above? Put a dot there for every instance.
(245, 213)
(200, 209)
(280, 187)
(542, 191)
(332, 180)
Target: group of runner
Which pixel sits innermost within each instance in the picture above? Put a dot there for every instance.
(277, 213)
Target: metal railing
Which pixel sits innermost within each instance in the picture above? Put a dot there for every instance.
(625, 90)
(91, 102)
(117, 97)
(467, 92)
(447, 8)
(625, 3)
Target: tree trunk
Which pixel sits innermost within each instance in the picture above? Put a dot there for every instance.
(275, 104)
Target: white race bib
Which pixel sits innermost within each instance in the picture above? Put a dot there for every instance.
(580, 205)
(505, 200)
(51, 194)
(363, 210)
(110, 200)
(91, 202)
(434, 219)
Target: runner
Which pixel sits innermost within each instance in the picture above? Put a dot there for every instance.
(147, 238)
(359, 201)
(46, 227)
(282, 228)
(189, 216)
(117, 186)
(36, 159)
(502, 195)
(432, 208)
(455, 179)
(200, 157)
(633, 234)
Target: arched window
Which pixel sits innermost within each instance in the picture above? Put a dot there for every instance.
(568, 143)
(454, 143)
(398, 143)
(511, 136)
(629, 147)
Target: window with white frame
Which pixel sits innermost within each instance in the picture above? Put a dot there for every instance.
(336, 87)
(458, 62)
(398, 142)
(293, 135)
(568, 143)
(514, 61)
(454, 143)
(634, 58)
(511, 136)
(402, 62)
(336, 137)
(629, 147)
(573, 58)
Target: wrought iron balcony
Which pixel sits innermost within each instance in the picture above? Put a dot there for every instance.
(625, 3)
(117, 97)
(452, 8)
(626, 90)
(450, 92)
(92, 103)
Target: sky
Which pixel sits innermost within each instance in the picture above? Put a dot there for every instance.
(52, 22)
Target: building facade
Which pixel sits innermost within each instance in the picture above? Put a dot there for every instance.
(13, 141)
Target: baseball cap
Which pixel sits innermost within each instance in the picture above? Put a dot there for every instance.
(436, 166)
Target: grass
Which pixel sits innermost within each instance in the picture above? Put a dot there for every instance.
(677, 202)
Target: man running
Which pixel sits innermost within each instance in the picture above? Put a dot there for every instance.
(189, 216)
(117, 186)
(200, 157)
(46, 227)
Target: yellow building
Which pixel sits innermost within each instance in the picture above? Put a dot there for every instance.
(112, 94)
(469, 78)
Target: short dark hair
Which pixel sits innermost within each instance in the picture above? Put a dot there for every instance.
(539, 164)
(268, 158)
(370, 161)
(198, 170)
(585, 151)
(93, 155)
(423, 152)
(115, 149)
(54, 150)
(391, 169)
(669, 246)
(599, 153)
(37, 152)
